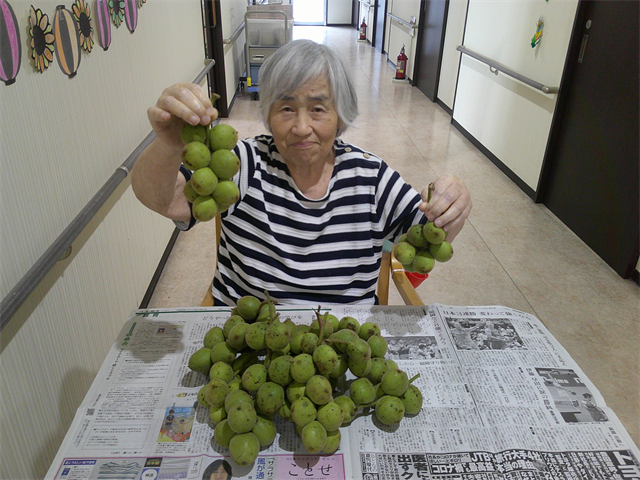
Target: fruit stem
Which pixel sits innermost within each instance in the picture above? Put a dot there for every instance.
(432, 187)
(414, 378)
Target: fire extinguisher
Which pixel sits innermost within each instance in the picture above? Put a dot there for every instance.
(401, 65)
(363, 30)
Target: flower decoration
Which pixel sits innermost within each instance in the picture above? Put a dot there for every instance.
(141, 2)
(82, 14)
(116, 11)
(41, 39)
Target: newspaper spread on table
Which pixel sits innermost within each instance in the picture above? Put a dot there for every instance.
(502, 400)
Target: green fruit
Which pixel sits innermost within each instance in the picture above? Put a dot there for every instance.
(367, 329)
(216, 415)
(244, 448)
(221, 370)
(330, 416)
(378, 346)
(303, 368)
(226, 194)
(265, 430)
(204, 181)
(236, 396)
(193, 133)
(314, 437)
(255, 336)
(333, 442)
(222, 136)
(325, 359)
(277, 336)
(442, 252)
(412, 400)
(213, 336)
(349, 408)
(359, 368)
(195, 155)
(242, 417)
(223, 352)
(280, 370)
(389, 410)
(202, 401)
(349, 323)
(303, 411)
(248, 307)
(223, 433)
(270, 397)
(416, 238)
(204, 208)
(404, 252)
(395, 382)
(254, 377)
(423, 262)
(434, 235)
(224, 163)
(319, 390)
(379, 367)
(362, 391)
(189, 192)
(200, 360)
(215, 392)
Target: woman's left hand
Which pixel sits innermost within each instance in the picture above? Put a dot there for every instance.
(449, 206)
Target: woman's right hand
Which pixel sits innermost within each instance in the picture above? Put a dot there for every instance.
(182, 102)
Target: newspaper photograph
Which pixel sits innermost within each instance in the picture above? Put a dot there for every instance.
(501, 399)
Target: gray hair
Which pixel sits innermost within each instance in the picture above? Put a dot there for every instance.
(296, 63)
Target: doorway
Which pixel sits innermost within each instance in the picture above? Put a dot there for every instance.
(590, 174)
(430, 41)
(309, 12)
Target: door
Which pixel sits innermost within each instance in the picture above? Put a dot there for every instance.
(430, 41)
(381, 22)
(590, 175)
(215, 49)
(309, 12)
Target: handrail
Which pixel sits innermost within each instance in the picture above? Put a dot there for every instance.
(366, 3)
(496, 67)
(234, 35)
(60, 247)
(403, 22)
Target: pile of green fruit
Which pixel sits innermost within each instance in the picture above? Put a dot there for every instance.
(259, 366)
(208, 153)
(422, 246)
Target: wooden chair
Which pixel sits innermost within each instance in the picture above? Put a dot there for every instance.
(389, 268)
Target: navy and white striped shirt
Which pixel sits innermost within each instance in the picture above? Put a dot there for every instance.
(306, 251)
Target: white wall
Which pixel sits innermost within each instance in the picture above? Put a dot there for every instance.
(510, 119)
(453, 36)
(339, 12)
(232, 13)
(61, 139)
(398, 34)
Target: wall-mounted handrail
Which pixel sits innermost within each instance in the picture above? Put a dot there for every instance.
(365, 3)
(234, 35)
(496, 67)
(411, 26)
(57, 250)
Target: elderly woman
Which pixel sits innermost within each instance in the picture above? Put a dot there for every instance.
(313, 211)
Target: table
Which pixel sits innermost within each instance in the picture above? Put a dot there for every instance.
(502, 399)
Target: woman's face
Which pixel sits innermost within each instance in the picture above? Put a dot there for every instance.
(219, 474)
(305, 124)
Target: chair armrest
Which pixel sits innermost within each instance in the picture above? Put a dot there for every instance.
(402, 283)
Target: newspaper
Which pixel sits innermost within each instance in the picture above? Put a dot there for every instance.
(502, 400)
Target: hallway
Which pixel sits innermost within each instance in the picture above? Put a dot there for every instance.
(512, 252)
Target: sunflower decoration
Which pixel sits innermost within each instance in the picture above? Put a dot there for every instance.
(82, 14)
(141, 2)
(116, 10)
(41, 39)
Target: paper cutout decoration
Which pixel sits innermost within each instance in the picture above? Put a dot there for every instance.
(103, 24)
(131, 14)
(116, 10)
(141, 2)
(10, 44)
(538, 35)
(82, 15)
(65, 29)
(41, 39)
